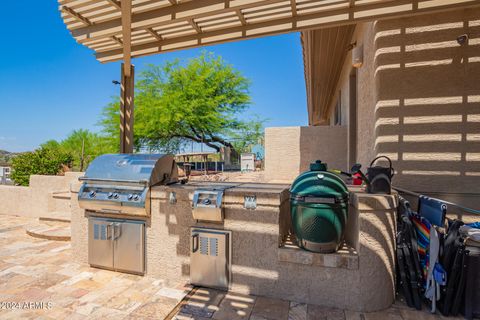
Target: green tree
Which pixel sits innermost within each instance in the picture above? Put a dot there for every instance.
(201, 101)
(44, 161)
(84, 146)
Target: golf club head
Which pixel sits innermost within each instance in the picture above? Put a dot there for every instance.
(356, 168)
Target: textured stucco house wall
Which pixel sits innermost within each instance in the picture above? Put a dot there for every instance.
(416, 99)
(290, 150)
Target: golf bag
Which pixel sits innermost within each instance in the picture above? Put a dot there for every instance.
(409, 272)
(455, 261)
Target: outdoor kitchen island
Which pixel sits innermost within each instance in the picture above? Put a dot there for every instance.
(254, 256)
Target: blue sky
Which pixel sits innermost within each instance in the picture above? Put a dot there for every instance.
(50, 85)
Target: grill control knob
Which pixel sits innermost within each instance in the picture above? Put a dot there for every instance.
(92, 194)
(110, 195)
(136, 197)
(115, 195)
(130, 196)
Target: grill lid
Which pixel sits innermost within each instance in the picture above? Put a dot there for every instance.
(147, 169)
(318, 184)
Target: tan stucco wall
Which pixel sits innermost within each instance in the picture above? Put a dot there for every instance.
(290, 150)
(419, 101)
(428, 102)
(365, 124)
(365, 95)
(282, 153)
(79, 227)
(15, 200)
(36, 199)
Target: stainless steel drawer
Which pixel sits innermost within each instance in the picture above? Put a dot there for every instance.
(210, 257)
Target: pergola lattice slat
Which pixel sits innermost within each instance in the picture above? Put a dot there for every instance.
(207, 22)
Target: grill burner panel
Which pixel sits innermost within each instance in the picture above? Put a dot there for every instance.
(121, 183)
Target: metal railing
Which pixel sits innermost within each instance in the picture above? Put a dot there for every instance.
(452, 204)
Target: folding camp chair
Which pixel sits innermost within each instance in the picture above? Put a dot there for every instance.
(433, 210)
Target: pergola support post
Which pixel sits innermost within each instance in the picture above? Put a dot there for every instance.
(126, 110)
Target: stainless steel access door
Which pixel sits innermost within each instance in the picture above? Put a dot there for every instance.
(210, 257)
(100, 245)
(117, 244)
(129, 246)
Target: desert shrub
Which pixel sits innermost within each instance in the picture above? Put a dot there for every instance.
(44, 161)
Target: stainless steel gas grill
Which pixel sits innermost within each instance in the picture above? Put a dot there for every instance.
(120, 183)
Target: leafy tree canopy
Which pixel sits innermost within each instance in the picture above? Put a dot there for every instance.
(200, 101)
(53, 157)
(45, 161)
(84, 146)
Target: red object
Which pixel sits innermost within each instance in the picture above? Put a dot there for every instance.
(357, 179)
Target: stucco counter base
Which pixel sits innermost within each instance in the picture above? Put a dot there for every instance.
(359, 277)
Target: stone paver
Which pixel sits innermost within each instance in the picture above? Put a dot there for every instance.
(320, 313)
(298, 311)
(270, 309)
(39, 280)
(236, 306)
(203, 303)
(49, 230)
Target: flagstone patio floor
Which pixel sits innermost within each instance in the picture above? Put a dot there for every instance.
(38, 280)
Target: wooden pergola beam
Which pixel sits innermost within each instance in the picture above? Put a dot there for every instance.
(117, 40)
(293, 5)
(127, 83)
(195, 26)
(165, 15)
(126, 110)
(76, 15)
(289, 24)
(116, 4)
(127, 75)
(87, 22)
(127, 34)
(241, 17)
(154, 34)
(302, 22)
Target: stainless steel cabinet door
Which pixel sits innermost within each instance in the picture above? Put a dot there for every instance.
(210, 259)
(128, 250)
(100, 245)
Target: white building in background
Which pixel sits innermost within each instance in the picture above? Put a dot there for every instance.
(247, 162)
(5, 171)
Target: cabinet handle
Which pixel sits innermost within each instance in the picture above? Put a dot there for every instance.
(195, 243)
(109, 231)
(117, 231)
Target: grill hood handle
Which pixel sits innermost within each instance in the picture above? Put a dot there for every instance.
(140, 182)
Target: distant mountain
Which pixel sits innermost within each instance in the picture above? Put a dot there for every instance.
(6, 156)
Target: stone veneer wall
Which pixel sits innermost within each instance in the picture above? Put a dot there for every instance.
(34, 200)
(357, 278)
(290, 150)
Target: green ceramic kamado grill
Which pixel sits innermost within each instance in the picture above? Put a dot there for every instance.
(319, 208)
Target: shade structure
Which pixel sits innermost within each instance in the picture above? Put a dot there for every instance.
(324, 52)
(157, 26)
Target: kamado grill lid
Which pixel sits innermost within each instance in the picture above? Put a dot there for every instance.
(148, 169)
(317, 182)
